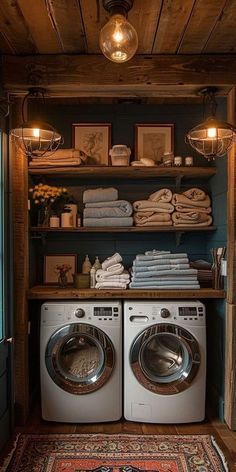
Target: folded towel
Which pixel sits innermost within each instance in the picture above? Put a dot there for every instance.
(164, 195)
(168, 279)
(61, 162)
(156, 273)
(59, 154)
(115, 208)
(166, 287)
(156, 252)
(192, 218)
(185, 209)
(148, 205)
(100, 195)
(111, 285)
(138, 270)
(156, 257)
(117, 270)
(111, 261)
(137, 263)
(110, 222)
(195, 194)
(185, 199)
(149, 218)
(102, 276)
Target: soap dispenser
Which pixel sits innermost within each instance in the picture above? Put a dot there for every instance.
(86, 266)
(97, 264)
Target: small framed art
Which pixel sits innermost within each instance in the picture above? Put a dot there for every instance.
(94, 139)
(58, 263)
(152, 140)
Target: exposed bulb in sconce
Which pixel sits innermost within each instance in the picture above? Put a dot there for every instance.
(118, 39)
(36, 132)
(211, 133)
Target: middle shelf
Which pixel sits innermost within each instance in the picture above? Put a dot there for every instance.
(121, 229)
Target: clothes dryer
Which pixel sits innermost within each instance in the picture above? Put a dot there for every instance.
(164, 361)
(81, 361)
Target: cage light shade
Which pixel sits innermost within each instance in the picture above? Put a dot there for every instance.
(36, 139)
(211, 138)
(118, 39)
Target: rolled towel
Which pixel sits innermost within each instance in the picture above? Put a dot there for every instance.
(164, 195)
(116, 269)
(195, 194)
(100, 195)
(101, 276)
(111, 285)
(111, 222)
(192, 218)
(111, 261)
(142, 218)
(115, 208)
(148, 205)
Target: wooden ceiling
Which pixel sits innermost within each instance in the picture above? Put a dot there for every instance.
(61, 33)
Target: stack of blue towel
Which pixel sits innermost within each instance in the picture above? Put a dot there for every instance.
(102, 208)
(163, 270)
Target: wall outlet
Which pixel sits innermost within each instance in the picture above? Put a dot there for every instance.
(223, 267)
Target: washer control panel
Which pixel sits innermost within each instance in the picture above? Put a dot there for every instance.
(106, 313)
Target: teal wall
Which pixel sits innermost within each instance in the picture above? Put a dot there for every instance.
(123, 118)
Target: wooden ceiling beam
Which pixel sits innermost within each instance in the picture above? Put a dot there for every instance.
(83, 75)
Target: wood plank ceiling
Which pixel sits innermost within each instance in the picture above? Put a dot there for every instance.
(170, 28)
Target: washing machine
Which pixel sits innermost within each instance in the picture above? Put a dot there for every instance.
(164, 361)
(81, 361)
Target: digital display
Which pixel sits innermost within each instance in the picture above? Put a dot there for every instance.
(188, 311)
(102, 311)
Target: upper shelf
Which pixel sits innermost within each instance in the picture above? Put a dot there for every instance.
(124, 172)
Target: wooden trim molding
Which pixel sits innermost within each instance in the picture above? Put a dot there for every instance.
(92, 75)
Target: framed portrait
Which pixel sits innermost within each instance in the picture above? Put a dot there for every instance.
(53, 262)
(152, 140)
(94, 139)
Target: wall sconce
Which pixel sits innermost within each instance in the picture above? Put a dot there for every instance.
(35, 138)
(212, 137)
(118, 39)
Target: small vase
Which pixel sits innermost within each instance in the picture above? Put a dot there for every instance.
(62, 280)
(44, 216)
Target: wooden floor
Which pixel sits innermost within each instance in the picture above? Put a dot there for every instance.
(225, 438)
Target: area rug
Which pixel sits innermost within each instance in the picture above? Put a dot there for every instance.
(115, 453)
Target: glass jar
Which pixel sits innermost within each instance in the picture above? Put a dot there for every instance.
(178, 161)
(168, 159)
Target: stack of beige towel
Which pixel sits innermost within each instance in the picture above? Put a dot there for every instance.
(192, 208)
(102, 208)
(60, 158)
(155, 211)
(112, 275)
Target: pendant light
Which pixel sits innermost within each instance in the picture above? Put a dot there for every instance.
(212, 137)
(35, 138)
(118, 39)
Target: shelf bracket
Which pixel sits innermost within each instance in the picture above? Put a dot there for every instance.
(178, 237)
(178, 180)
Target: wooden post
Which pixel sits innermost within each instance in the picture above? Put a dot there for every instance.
(19, 189)
(230, 329)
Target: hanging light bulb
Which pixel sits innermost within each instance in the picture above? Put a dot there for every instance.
(118, 39)
(212, 137)
(36, 138)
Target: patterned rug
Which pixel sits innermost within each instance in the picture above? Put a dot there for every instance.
(115, 453)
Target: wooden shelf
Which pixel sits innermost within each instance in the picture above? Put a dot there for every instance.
(126, 172)
(43, 292)
(122, 229)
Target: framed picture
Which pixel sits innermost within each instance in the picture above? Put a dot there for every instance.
(52, 264)
(94, 139)
(152, 140)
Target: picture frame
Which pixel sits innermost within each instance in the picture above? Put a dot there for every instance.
(152, 140)
(50, 274)
(94, 139)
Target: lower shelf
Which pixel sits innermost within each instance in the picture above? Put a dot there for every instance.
(42, 292)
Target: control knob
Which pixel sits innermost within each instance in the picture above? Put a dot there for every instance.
(79, 313)
(164, 313)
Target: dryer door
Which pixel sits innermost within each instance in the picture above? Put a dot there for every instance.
(165, 358)
(79, 358)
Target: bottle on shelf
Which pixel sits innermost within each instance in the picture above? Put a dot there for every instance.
(86, 266)
(66, 218)
(92, 277)
(97, 264)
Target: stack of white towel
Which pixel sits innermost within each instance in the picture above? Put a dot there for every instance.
(102, 208)
(192, 208)
(112, 275)
(61, 158)
(155, 211)
(163, 270)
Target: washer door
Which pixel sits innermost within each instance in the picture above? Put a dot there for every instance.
(165, 358)
(79, 358)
